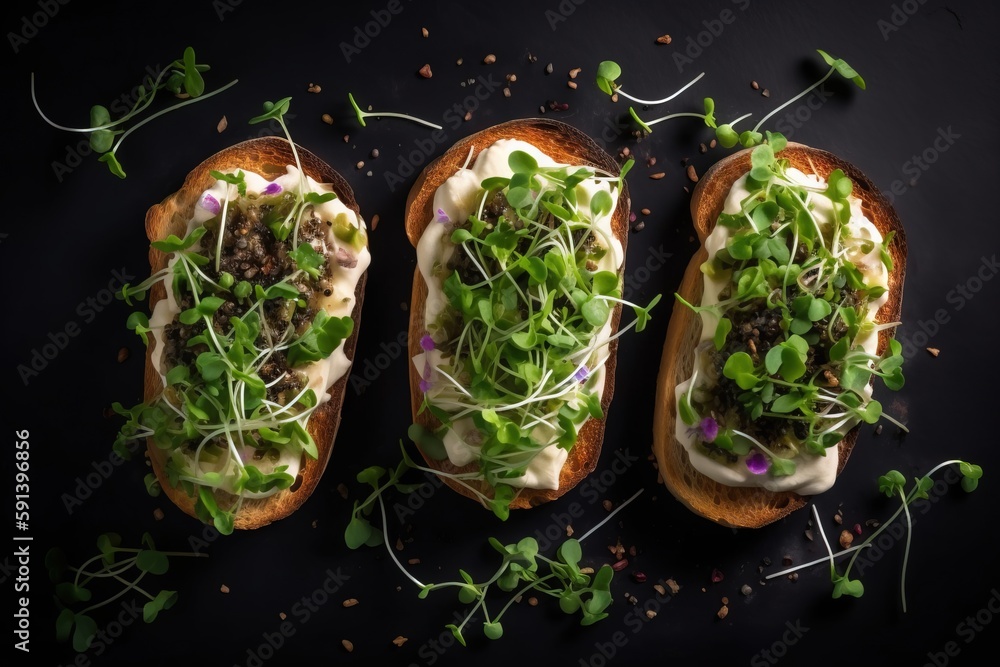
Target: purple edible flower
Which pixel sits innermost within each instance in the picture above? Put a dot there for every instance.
(210, 204)
(425, 386)
(427, 343)
(425, 382)
(442, 217)
(272, 189)
(581, 374)
(708, 429)
(757, 463)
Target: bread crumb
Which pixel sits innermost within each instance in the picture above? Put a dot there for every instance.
(933, 351)
(313, 88)
(657, 176)
(414, 561)
(664, 39)
(327, 118)
(282, 615)
(347, 644)
(350, 602)
(573, 72)
(374, 221)
(489, 59)
(223, 124)
(400, 640)
(673, 586)
(533, 601)
(692, 174)
(342, 490)
(425, 71)
(158, 514)
(650, 614)
(223, 588)
(425, 32)
(723, 612)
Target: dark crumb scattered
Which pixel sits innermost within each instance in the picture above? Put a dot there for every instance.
(765, 92)
(158, 514)
(608, 505)
(713, 143)
(374, 221)
(933, 351)
(632, 551)
(342, 490)
(755, 85)
(673, 586)
(399, 544)
(639, 226)
(766, 562)
(786, 560)
(650, 161)
(347, 138)
(857, 529)
(657, 176)
(425, 71)
(375, 153)
(489, 59)
(723, 612)
(400, 640)
(122, 354)
(794, 576)
(809, 534)
(639, 577)
(548, 68)
(664, 39)
(692, 174)
(746, 590)
(425, 32)
(645, 211)
(703, 148)
(347, 644)
(717, 576)
(414, 561)
(878, 429)
(846, 539)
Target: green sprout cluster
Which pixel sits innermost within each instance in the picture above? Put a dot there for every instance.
(520, 336)
(76, 586)
(182, 77)
(822, 299)
(211, 411)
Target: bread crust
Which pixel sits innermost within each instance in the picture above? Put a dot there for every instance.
(747, 507)
(268, 157)
(564, 144)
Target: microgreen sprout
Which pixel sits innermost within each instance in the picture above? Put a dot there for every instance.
(725, 133)
(804, 385)
(534, 283)
(387, 114)
(892, 484)
(837, 65)
(232, 418)
(522, 568)
(608, 72)
(183, 79)
(116, 563)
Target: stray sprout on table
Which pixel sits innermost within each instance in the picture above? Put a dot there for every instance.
(608, 71)
(892, 483)
(387, 114)
(184, 81)
(522, 568)
(85, 578)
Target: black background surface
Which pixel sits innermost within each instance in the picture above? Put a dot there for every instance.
(931, 74)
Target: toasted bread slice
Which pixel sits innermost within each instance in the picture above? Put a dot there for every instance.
(746, 506)
(268, 157)
(564, 144)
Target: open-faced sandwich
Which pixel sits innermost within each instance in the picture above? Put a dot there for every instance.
(520, 232)
(258, 271)
(782, 319)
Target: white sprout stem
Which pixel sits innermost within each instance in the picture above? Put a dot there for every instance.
(906, 552)
(222, 229)
(817, 561)
(665, 99)
(822, 533)
(743, 117)
(388, 548)
(390, 114)
(682, 114)
(610, 515)
(794, 99)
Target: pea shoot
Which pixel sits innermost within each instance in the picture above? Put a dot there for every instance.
(725, 133)
(531, 286)
(801, 386)
(522, 568)
(233, 415)
(182, 77)
(892, 484)
(361, 115)
(114, 562)
(608, 72)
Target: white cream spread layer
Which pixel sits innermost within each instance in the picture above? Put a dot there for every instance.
(322, 374)
(813, 474)
(455, 200)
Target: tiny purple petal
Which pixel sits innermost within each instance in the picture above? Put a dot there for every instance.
(581, 374)
(272, 189)
(426, 343)
(709, 429)
(210, 204)
(442, 217)
(757, 463)
(425, 386)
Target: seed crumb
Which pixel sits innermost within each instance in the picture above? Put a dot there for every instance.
(569, 530)
(460, 61)
(645, 211)
(223, 124)
(659, 589)
(657, 176)
(399, 544)
(533, 601)
(327, 118)
(837, 519)
(713, 143)
(692, 174)
(785, 560)
(755, 85)
(347, 644)
(506, 91)
(360, 164)
(639, 577)
(723, 612)
(765, 92)
(573, 72)
(725, 600)
(608, 505)
(400, 640)
(425, 71)
(350, 602)
(633, 600)
(650, 161)
(933, 351)
(650, 614)
(425, 32)
(347, 138)
(122, 354)
(342, 490)
(571, 84)
(717, 576)
(532, 58)
(809, 534)
(702, 148)
(511, 77)
(313, 88)
(794, 576)
(158, 514)
(489, 59)
(614, 97)
(664, 39)
(673, 586)
(586, 570)
(541, 108)
(223, 588)
(857, 529)
(878, 430)
(746, 590)
(414, 561)
(374, 221)
(632, 551)
(846, 538)
(639, 226)
(548, 68)
(468, 116)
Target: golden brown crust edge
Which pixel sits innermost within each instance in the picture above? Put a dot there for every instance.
(732, 506)
(267, 156)
(564, 144)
